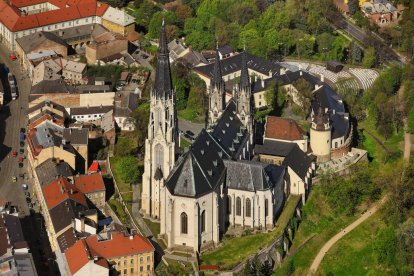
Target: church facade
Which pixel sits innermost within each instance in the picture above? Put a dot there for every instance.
(215, 184)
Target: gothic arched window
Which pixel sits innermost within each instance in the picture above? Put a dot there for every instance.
(238, 206)
(203, 221)
(184, 223)
(228, 205)
(248, 208)
(266, 207)
(159, 156)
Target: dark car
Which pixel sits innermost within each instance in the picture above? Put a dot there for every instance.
(190, 133)
(28, 200)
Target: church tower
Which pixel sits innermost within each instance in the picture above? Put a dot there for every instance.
(320, 136)
(217, 93)
(244, 98)
(162, 141)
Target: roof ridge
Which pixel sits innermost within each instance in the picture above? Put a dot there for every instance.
(202, 171)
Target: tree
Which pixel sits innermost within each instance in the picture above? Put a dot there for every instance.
(145, 12)
(182, 13)
(353, 6)
(369, 59)
(156, 21)
(304, 89)
(406, 236)
(141, 117)
(356, 53)
(128, 169)
(124, 147)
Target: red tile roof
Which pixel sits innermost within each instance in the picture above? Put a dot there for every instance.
(14, 20)
(94, 167)
(118, 245)
(59, 190)
(77, 256)
(283, 129)
(89, 183)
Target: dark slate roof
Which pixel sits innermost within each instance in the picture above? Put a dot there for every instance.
(298, 161)
(40, 106)
(63, 213)
(73, 33)
(76, 136)
(229, 131)
(67, 239)
(50, 170)
(276, 148)
(200, 170)
(234, 64)
(163, 83)
(14, 229)
(51, 86)
(326, 98)
(252, 176)
(90, 110)
(224, 50)
(31, 42)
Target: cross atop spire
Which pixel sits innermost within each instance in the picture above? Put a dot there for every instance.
(217, 79)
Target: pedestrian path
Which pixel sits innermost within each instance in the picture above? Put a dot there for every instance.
(325, 248)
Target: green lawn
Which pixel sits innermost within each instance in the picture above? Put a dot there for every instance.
(174, 268)
(191, 115)
(184, 143)
(356, 248)
(319, 224)
(236, 250)
(153, 226)
(117, 208)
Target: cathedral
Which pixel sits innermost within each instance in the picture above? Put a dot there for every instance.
(214, 185)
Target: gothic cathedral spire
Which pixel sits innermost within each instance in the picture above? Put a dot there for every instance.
(217, 93)
(162, 141)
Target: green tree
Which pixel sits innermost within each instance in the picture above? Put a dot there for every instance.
(128, 169)
(353, 6)
(385, 246)
(156, 21)
(124, 147)
(370, 58)
(304, 89)
(182, 13)
(145, 12)
(141, 118)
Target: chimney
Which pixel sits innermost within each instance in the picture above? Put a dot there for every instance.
(322, 78)
(263, 84)
(60, 32)
(131, 237)
(270, 73)
(300, 72)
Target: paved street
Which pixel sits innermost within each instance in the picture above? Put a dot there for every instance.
(12, 118)
(388, 54)
(184, 125)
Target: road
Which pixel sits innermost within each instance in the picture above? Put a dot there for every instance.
(12, 118)
(184, 125)
(387, 53)
(325, 248)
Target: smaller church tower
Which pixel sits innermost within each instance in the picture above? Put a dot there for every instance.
(244, 98)
(320, 136)
(217, 93)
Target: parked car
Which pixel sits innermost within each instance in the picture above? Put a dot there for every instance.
(12, 56)
(189, 132)
(14, 153)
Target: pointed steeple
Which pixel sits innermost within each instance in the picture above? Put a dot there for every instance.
(163, 83)
(244, 75)
(217, 80)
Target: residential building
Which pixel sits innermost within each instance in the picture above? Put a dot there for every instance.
(89, 113)
(21, 18)
(93, 187)
(125, 103)
(380, 12)
(104, 46)
(78, 139)
(285, 130)
(118, 21)
(57, 111)
(15, 258)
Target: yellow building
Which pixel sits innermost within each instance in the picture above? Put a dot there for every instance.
(127, 254)
(118, 21)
